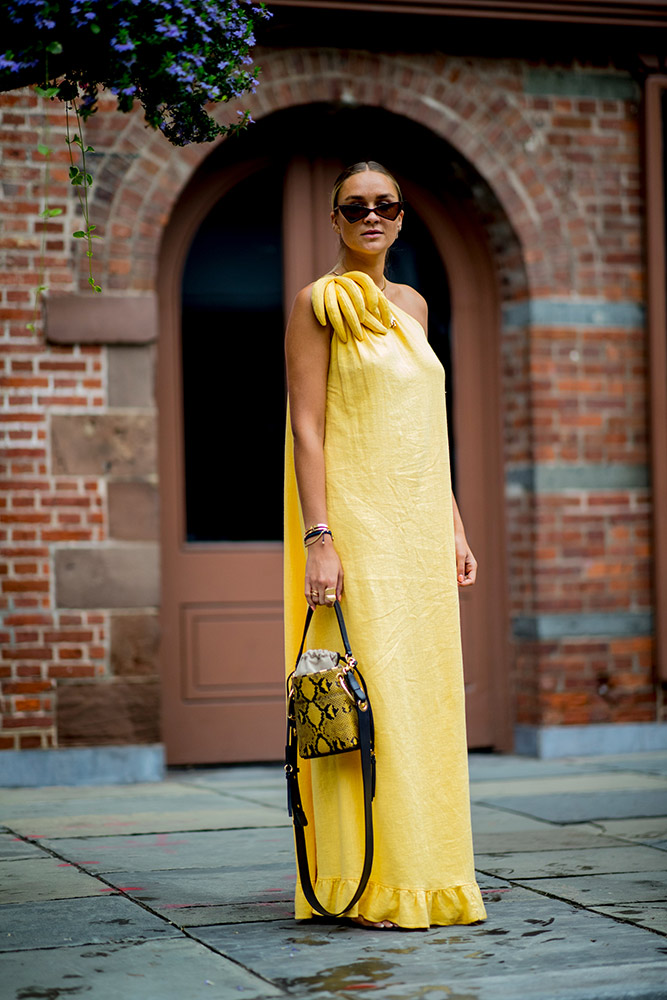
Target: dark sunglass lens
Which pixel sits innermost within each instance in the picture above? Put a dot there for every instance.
(389, 210)
(354, 213)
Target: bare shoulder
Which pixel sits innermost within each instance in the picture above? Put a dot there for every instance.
(409, 299)
(302, 308)
(303, 328)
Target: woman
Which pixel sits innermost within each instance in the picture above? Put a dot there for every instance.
(367, 464)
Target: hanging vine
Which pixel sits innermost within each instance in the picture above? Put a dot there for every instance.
(175, 57)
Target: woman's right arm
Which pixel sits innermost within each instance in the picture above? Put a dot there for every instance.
(307, 348)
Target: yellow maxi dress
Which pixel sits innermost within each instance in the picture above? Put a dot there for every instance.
(389, 506)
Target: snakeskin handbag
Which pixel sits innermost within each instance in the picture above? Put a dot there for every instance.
(328, 712)
(326, 709)
(327, 697)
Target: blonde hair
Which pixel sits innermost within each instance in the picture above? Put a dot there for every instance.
(360, 168)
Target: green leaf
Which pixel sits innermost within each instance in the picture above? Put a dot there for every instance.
(89, 179)
(46, 91)
(55, 48)
(74, 172)
(79, 234)
(30, 326)
(89, 253)
(44, 150)
(41, 288)
(51, 212)
(89, 149)
(77, 140)
(90, 228)
(95, 28)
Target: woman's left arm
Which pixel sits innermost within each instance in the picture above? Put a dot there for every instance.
(466, 564)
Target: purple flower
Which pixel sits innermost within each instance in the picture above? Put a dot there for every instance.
(125, 46)
(169, 30)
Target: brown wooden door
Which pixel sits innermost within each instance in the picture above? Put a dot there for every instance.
(222, 638)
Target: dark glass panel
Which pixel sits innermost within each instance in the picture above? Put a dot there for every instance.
(233, 375)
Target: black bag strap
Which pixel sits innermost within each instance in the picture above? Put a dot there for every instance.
(341, 626)
(367, 749)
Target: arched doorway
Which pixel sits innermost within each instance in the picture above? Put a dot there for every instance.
(251, 228)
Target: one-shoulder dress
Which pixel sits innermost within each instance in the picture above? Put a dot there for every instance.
(389, 505)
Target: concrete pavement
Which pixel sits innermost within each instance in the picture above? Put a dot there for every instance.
(182, 890)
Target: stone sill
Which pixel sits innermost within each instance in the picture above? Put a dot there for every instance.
(108, 765)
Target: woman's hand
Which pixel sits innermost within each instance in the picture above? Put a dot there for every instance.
(466, 564)
(323, 571)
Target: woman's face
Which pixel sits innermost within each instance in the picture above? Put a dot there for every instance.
(372, 234)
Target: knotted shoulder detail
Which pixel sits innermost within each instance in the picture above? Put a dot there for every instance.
(351, 302)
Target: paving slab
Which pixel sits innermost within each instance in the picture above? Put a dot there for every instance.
(579, 807)
(223, 816)
(65, 922)
(641, 914)
(262, 881)
(595, 860)
(95, 797)
(653, 828)
(548, 837)
(12, 847)
(245, 776)
(163, 851)
(496, 819)
(234, 913)
(643, 981)
(169, 970)
(648, 763)
(492, 767)
(525, 935)
(273, 798)
(596, 890)
(30, 879)
(125, 801)
(611, 781)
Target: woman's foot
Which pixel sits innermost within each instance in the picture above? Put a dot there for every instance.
(381, 925)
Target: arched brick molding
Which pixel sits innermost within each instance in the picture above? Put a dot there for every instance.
(479, 108)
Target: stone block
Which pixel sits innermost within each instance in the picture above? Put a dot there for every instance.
(103, 713)
(134, 644)
(104, 319)
(107, 577)
(30, 879)
(116, 444)
(141, 970)
(133, 511)
(66, 923)
(131, 376)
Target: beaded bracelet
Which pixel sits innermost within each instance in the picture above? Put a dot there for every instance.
(316, 531)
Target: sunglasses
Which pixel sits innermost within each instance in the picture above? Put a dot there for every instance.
(355, 213)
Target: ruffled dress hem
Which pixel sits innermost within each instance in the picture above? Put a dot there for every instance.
(409, 908)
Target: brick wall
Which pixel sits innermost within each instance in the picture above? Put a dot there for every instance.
(70, 674)
(554, 174)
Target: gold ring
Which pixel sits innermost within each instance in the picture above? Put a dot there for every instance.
(330, 591)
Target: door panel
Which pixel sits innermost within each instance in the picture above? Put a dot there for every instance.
(222, 406)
